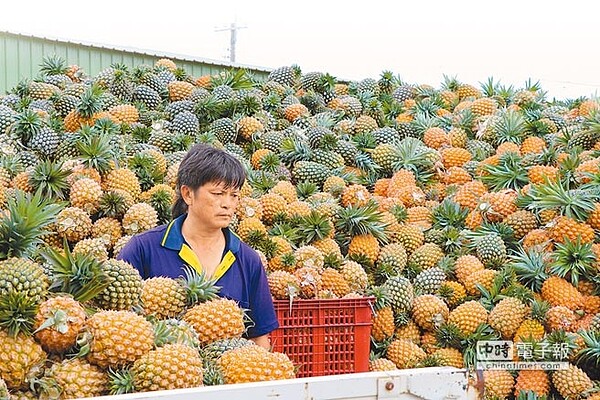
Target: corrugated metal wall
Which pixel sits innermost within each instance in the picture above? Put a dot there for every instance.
(21, 55)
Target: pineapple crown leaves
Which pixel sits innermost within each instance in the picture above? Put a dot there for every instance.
(80, 275)
(361, 220)
(574, 203)
(121, 381)
(509, 127)
(314, 226)
(469, 344)
(508, 174)
(53, 65)
(199, 288)
(96, 151)
(565, 340)
(174, 331)
(449, 335)
(286, 230)
(50, 179)
(91, 102)
(26, 124)
(235, 79)
(294, 150)
(530, 267)
(530, 395)
(17, 313)
(572, 260)
(539, 308)
(22, 227)
(590, 354)
(447, 214)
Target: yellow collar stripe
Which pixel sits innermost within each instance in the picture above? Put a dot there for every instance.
(166, 235)
(188, 255)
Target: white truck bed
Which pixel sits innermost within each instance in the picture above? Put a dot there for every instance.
(439, 383)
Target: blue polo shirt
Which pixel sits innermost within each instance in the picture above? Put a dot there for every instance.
(162, 251)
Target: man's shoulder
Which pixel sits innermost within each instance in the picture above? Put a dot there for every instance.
(151, 235)
(247, 253)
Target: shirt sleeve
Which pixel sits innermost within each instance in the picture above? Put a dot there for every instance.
(261, 303)
(132, 252)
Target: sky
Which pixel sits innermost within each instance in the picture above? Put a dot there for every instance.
(555, 43)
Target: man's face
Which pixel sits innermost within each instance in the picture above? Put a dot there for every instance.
(213, 204)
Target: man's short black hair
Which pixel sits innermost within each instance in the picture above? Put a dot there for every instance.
(204, 164)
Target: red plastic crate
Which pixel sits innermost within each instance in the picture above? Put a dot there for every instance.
(324, 336)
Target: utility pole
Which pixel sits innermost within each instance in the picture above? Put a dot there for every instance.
(233, 28)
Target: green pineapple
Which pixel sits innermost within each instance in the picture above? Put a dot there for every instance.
(224, 129)
(45, 142)
(146, 95)
(124, 286)
(491, 249)
(401, 294)
(310, 171)
(429, 280)
(185, 122)
(287, 76)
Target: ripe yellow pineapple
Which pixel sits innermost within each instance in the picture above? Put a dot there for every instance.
(172, 366)
(366, 245)
(381, 364)
(216, 319)
(355, 275)
(179, 90)
(468, 195)
(109, 229)
(77, 379)
(254, 364)
(249, 207)
(454, 156)
(426, 256)
(85, 193)
(559, 292)
(485, 278)
(409, 331)
(248, 126)
(272, 205)
(309, 256)
(22, 358)
(309, 280)
(450, 357)
(248, 226)
(454, 291)
(507, 316)
(571, 382)
(95, 247)
(561, 318)
(294, 111)
(429, 311)
(332, 281)
(125, 113)
(355, 195)
(533, 379)
(522, 222)
(283, 285)
(124, 179)
(383, 324)
(139, 218)
(285, 189)
(74, 224)
(468, 316)
(529, 329)
(163, 297)
(564, 227)
(118, 338)
(58, 322)
(405, 353)
(498, 384)
(436, 138)
(465, 266)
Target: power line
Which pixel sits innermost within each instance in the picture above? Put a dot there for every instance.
(233, 28)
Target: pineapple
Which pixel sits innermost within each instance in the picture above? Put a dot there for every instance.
(58, 322)
(139, 218)
(429, 311)
(124, 179)
(283, 285)
(23, 277)
(253, 364)
(163, 297)
(400, 293)
(571, 382)
(405, 354)
(332, 281)
(365, 245)
(425, 256)
(533, 380)
(26, 357)
(410, 237)
(85, 194)
(468, 316)
(78, 378)
(180, 367)
(383, 317)
(558, 292)
(124, 286)
(381, 364)
(507, 316)
(74, 224)
(498, 384)
(94, 247)
(449, 357)
(118, 338)
(355, 275)
(216, 319)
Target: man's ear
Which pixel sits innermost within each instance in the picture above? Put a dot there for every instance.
(187, 194)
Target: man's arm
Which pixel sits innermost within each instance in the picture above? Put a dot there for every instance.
(262, 341)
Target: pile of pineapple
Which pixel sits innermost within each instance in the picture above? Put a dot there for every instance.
(467, 213)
